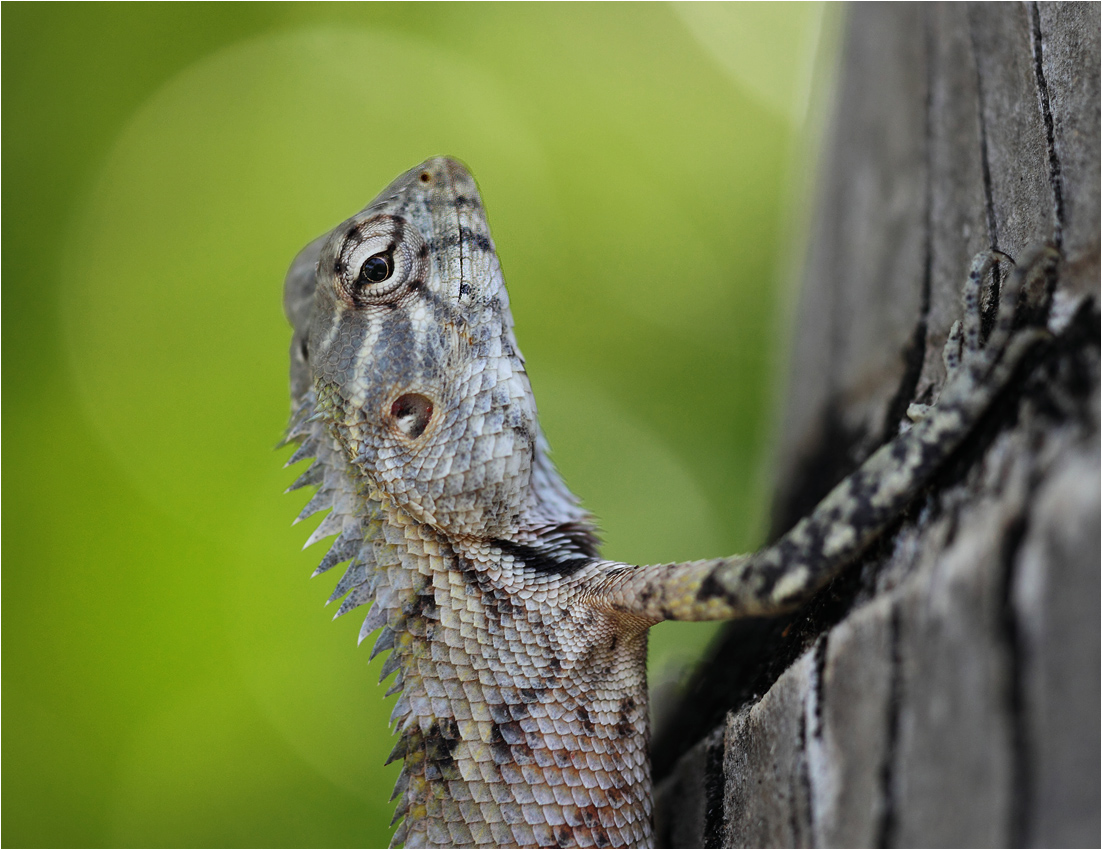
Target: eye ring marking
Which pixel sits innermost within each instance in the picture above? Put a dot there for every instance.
(378, 261)
(411, 413)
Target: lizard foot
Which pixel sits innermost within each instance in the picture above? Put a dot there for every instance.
(967, 354)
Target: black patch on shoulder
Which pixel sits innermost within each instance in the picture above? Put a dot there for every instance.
(569, 541)
(541, 560)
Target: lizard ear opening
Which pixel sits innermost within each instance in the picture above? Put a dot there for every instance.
(411, 413)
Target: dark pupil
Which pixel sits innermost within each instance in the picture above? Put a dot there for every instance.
(376, 269)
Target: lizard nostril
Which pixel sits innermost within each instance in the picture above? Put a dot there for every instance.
(411, 413)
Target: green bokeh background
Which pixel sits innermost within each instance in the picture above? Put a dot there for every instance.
(169, 674)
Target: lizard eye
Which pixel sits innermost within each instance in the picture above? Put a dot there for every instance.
(379, 261)
(376, 269)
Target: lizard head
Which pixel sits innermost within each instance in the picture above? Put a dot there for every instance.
(403, 331)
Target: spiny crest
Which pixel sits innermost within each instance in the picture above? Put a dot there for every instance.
(400, 605)
(352, 516)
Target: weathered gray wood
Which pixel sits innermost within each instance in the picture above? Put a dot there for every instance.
(957, 225)
(690, 804)
(874, 165)
(852, 729)
(1056, 594)
(767, 801)
(951, 694)
(952, 766)
(1070, 49)
(1023, 206)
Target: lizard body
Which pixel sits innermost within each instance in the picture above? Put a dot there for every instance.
(519, 653)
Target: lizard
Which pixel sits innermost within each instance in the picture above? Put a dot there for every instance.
(518, 652)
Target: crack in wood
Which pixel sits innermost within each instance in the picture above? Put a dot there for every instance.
(1054, 172)
(1020, 752)
(886, 828)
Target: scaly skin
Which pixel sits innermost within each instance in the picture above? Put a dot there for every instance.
(520, 654)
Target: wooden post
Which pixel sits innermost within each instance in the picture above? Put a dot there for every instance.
(945, 691)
